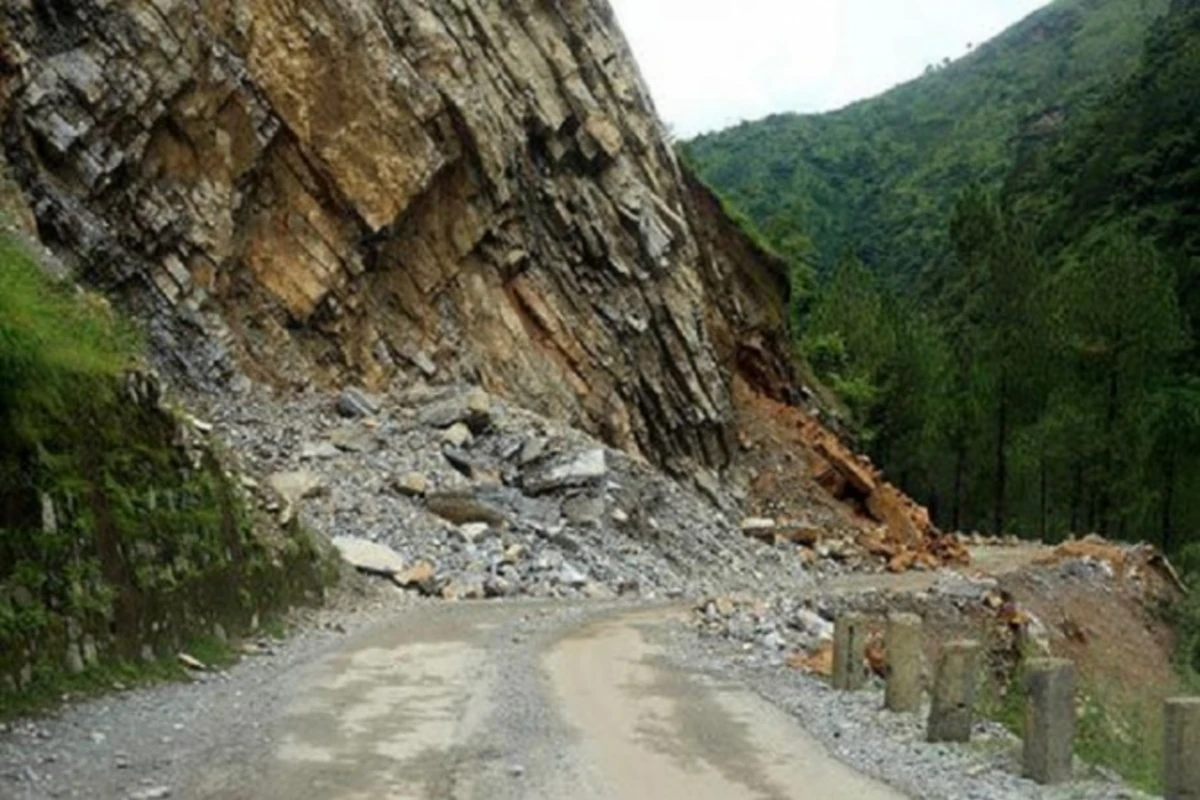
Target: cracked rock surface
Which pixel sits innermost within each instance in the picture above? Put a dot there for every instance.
(366, 189)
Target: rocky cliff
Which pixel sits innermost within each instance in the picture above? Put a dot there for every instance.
(397, 191)
(297, 191)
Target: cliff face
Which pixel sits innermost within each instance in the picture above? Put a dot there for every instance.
(348, 189)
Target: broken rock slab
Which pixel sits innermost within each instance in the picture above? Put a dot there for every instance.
(472, 532)
(457, 435)
(355, 403)
(797, 532)
(351, 439)
(298, 485)
(758, 528)
(464, 507)
(479, 410)
(583, 510)
(473, 409)
(531, 451)
(369, 557)
(411, 484)
(293, 487)
(419, 576)
(318, 451)
(569, 473)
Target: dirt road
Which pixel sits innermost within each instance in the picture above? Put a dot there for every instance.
(447, 701)
(495, 702)
(646, 730)
(437, 707)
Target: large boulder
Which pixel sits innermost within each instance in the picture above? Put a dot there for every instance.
(370, 557)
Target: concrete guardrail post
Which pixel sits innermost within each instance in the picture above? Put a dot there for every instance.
(1049, 720)
(904, 648)
(953, 711)
(849, 645)
(1182, 779)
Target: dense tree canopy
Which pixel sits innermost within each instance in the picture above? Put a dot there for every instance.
(881, 176)
(1010, 270)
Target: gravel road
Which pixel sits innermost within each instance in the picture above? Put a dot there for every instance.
(515, 699)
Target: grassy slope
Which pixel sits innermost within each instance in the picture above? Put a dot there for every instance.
(881, 176)
(149, 545)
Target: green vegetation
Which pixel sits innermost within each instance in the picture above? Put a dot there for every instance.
(1009, 300)
(1013, 338)
(1118, 727)
(118, 538)
(53, 348)
(879, 178)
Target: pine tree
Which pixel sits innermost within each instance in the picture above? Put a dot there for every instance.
(1120, 320)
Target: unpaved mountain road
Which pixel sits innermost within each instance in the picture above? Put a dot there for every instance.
(445, 701)
(452, 703)
(433, 701)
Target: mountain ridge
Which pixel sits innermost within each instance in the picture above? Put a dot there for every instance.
(829, 176)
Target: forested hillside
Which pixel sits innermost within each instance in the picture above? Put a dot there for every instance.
(1036, 372)
(879, 177)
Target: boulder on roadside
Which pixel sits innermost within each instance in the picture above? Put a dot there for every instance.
(369, 557)
(568, 575)
(466, 587)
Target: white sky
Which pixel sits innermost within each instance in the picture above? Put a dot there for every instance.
(713, 63)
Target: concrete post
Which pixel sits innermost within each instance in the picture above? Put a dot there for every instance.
(849, 644)
(903, 663)
(953, 710)
(1049, 719)
(1182, 749)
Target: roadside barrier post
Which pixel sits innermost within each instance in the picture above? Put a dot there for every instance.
(904, 687)
(849, 645)
(953, 709)
(1182, 748)
(1049, 719)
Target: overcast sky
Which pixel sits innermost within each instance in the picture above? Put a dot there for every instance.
(713, 63)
